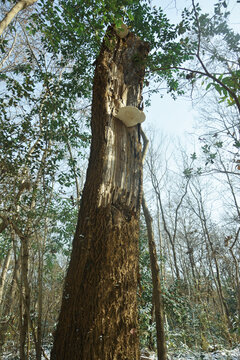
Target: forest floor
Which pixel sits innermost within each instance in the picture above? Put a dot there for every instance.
(192, 355)
(172, 355)
(216, 355)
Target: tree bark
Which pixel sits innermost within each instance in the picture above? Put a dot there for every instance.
(40, 301)
(99, 317)
(20, 5)
(7, 307)
(157, 296)
(4, 274)
(24, 310)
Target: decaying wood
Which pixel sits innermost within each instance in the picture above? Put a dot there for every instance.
(99, 318)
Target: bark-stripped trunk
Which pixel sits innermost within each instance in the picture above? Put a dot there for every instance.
(98, 317)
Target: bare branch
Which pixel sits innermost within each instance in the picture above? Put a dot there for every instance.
(145, 145)
(9, 52)
(235, 240)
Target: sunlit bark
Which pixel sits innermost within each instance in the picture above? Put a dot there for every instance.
(99, 317)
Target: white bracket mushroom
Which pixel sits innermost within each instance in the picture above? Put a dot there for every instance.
(130, 115)
(122, 31)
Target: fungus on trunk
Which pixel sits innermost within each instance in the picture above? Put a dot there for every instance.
(130, 115)
(122, 31)
(99, 317)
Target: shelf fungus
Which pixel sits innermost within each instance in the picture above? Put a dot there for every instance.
(130, 115)
(122, 31)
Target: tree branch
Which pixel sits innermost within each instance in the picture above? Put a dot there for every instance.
(9, 52)
(20, 5)
(145, 144)
(206, 74)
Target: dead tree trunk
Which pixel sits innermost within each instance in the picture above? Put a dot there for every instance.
(98, 317)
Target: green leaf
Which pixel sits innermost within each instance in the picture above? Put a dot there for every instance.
(194, 156)
(208, 86)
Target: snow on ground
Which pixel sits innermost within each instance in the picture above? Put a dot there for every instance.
(216, 355)
(181, 355)
(191, 355)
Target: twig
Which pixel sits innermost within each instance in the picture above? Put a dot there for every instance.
(9, 53)
(145, 145)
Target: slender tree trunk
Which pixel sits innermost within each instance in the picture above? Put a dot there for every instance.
(24, 300)
(217, 276)
(99, 317)
(237, 286)
(162, 262)
(157, 296)
(22, 324)
(26, 323)
(170, 237)
(7, 314)
(4, 274)
(40, 303)
(237, 279)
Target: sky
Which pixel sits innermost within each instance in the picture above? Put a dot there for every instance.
(178, 117)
